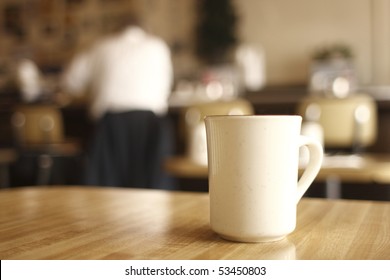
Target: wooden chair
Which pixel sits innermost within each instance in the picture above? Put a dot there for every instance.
(7, 157)
(348, 123)
(349, 126)
(193, 119)
(39, 132)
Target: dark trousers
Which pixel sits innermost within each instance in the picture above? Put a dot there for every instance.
(129, 149)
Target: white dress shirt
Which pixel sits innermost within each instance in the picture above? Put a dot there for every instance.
(129, 71)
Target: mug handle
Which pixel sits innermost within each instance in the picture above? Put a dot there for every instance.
(313, 167)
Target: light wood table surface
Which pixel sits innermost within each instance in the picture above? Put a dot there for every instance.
(366, 168)
(115, 223)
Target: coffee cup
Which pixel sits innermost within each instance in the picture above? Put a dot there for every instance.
(253, 166)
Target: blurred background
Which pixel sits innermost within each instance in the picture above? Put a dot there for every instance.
(52, 31)
(272, 53)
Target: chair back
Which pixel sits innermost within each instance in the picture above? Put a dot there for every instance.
(347, 123)
(37, 124)
(195, 129)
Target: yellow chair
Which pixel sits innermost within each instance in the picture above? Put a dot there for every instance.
(193, 119)
(39, 132)
(349, 126)
(348, 123)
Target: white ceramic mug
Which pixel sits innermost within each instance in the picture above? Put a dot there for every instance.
(253, 175)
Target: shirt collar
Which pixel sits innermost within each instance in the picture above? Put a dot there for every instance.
(134, 33)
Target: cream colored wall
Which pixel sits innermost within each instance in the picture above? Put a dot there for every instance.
(289, 31)
(381, 42)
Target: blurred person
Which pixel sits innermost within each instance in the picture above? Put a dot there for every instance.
(129, 76)
(25, 79)
(29, 80)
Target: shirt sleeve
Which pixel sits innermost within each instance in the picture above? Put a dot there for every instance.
(77, 77)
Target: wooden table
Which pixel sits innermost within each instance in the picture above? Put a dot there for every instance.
(366, 168)
(115, 223)
(335, 170)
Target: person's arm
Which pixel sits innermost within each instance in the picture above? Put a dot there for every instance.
(75, 79)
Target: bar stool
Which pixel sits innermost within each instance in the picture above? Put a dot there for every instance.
(7, 157)
(193, 119)
(349, 126)
(348, 123)
(39, 133)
